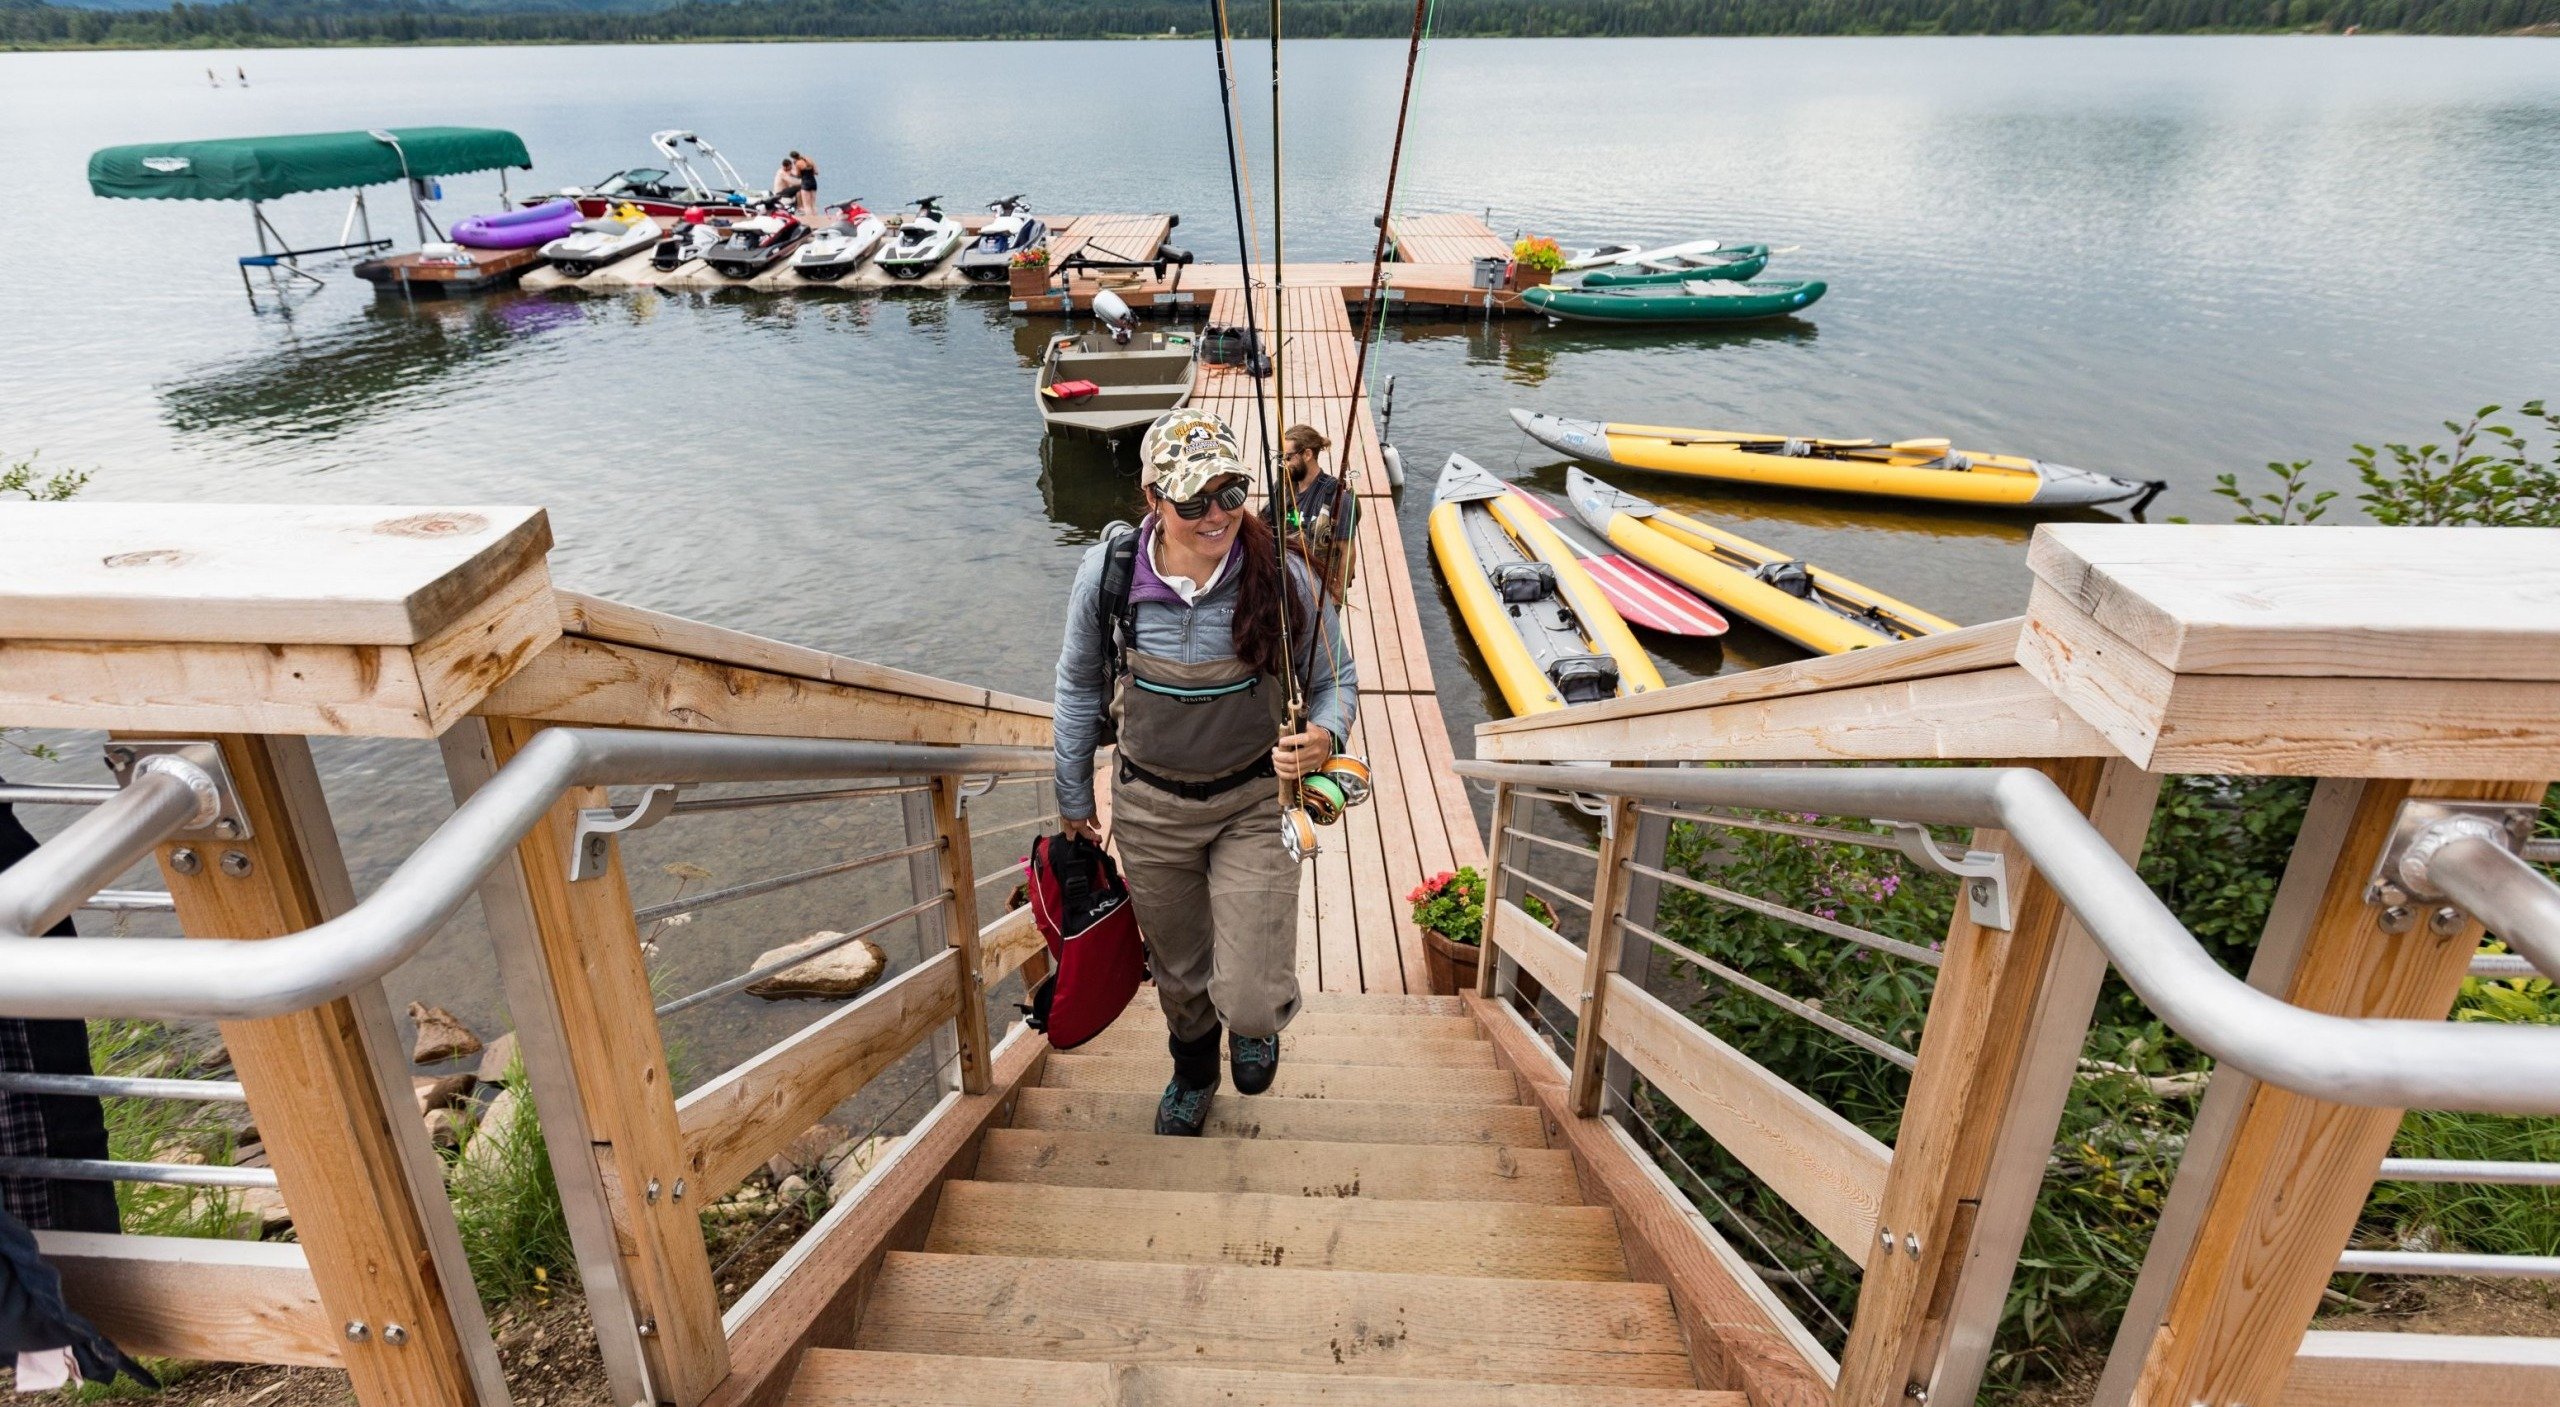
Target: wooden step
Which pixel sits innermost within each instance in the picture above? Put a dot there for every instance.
(1130, 1074)
(1314, 1120)
(1381, 1004)
(1461, 1172)
(1145, 1015)
(1315, 1321)
(1378, 1048)
(844, 1377)
(1500, 1240)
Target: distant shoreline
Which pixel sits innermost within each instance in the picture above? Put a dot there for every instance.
(222, 43)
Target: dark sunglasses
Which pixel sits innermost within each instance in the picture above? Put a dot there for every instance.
(1194, 509)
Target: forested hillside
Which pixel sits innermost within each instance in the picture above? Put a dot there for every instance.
(29, 23)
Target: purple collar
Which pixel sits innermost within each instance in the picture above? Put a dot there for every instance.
(1147, 585)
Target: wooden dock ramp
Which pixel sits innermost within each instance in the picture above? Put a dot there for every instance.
(1354, 934)
(1387, 1225)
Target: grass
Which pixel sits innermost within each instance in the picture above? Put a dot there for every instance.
(507, 1205)
(152, 1130)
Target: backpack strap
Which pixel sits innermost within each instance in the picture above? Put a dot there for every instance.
(1114, 617)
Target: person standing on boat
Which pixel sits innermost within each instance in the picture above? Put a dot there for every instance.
(1188, 668)
(1324, 513)
(804, 174)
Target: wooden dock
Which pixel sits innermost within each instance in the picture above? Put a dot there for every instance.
(1432, 267)
(1354, 932)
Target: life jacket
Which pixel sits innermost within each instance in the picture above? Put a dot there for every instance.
(1096, 955)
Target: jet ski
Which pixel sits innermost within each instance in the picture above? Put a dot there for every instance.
(840, 248)
(757, 243)
(592, 244)
(922, 241)
(989, 257)
(688, 239)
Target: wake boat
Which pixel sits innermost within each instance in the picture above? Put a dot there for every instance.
(840, 248)
(664, 192)
(922, 241)
(1114, 380)
(592, 244)
(756, 243)
(989, 257)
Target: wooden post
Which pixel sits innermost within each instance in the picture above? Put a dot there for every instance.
(1980, 1018)
(1497, 849)
(960, 917)
(2298, 1170)
(1600, 954)
(592, 946)
(1956, 1346)
(367, 1218)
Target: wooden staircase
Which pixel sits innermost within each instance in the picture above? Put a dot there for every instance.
(1387, 1225)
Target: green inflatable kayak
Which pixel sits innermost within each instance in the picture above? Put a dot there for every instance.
(1698, 300)
(1731, 261)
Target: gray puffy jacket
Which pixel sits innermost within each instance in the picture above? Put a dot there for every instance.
(1194, 634)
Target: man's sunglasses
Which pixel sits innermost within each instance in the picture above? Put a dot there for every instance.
(1230, 498)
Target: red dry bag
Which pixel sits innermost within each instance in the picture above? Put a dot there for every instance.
(1096, 957)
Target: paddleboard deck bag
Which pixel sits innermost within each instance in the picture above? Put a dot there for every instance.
(1520, 583)
(1585, 678)
(1096, 956)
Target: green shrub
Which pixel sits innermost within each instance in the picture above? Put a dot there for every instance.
(507, 1204)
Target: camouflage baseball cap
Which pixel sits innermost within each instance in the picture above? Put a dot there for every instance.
(1186, 451)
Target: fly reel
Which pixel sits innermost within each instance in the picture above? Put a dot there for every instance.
(1298, 834)
(1336, 787)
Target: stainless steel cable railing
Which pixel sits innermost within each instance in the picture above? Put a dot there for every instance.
(2378, 1062)
(233, 979)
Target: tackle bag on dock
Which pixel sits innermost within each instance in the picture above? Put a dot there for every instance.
(1096, 958)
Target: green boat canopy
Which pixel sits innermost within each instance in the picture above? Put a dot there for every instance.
(264, 168)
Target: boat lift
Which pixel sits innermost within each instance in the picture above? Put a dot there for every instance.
(261, 169)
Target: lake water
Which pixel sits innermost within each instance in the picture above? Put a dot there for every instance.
(2166, 258)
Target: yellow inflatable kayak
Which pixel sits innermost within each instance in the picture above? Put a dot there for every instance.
(1550, 637)
(1821, 611)
(1900, 469)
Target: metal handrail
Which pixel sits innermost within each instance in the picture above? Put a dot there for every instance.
(2509, 896)
(2385, 1063)
(234, 978)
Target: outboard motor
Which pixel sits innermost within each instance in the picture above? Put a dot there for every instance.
(1520, 583)
(1115, 316)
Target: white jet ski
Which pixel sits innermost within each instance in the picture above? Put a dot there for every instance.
(989, 257)
(592, 244)
(922, 241)
(840, 248)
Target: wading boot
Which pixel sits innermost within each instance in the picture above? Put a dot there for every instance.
(1184, 1110)
(1256, 1060)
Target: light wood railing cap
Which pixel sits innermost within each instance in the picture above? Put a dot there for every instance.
(2349, 651)
(259, 618)
(255, 573)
